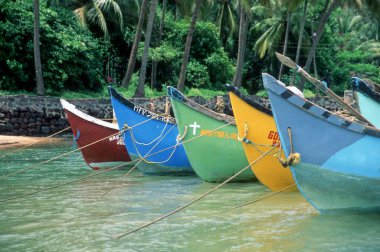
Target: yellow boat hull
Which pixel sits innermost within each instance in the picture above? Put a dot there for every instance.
(260, 129)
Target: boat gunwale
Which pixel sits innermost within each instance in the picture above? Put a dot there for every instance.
(131, 105)
(198, 107)
(307, 105)
(72, 108)
(360, 85)
(248, 100)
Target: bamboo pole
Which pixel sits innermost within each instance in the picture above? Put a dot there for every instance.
(318, 84)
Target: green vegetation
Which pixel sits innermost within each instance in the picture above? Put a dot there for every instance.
(83, 50)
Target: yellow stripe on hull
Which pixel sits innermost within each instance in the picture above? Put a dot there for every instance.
(261, 131)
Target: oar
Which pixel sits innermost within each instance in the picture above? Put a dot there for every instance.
(318, 84)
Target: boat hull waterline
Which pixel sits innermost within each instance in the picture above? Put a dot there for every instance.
(340, 159)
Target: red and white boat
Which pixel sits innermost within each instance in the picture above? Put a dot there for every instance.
(107, 153)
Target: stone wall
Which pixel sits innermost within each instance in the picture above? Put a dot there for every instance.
(43, 116)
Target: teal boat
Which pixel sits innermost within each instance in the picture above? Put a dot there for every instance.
(368, 99)
(215, 152)
(339, 165)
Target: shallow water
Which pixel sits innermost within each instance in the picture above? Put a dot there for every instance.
(76, 217)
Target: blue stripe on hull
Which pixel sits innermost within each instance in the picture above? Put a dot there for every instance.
(352, 159)
(146, 132)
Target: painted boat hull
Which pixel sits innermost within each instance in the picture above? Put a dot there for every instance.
(86, 129)
(339, 168)
(216, 156)
(261, 130)
(152, 137)
(368, 101)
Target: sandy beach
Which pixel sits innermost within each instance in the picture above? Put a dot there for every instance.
(20, 141)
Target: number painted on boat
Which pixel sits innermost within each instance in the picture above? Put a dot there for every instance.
(273, 135)
(119, 140)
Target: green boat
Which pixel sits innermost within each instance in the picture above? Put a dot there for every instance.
(215, 152)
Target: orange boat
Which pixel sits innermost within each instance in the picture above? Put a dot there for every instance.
(257, 129)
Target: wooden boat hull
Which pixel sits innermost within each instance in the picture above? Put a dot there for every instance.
(339, 168)
(217, 155)
(152, 137)
(261, 130)
(368, 101)
(86, 129)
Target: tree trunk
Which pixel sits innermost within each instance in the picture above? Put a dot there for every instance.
(241, 47)
(153, 81)
(288, 15)
(140, 92)
(189, 38)
(319, 32)
(136, 41)
(299, 44)
(37, 54)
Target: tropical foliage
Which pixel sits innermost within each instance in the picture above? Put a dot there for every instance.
(86, 43)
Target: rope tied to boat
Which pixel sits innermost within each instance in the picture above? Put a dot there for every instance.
(98, 173)
(179, 137)
(293, 158)
(251, 142)
(244, 138)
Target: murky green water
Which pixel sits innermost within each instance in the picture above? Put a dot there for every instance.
(76, 217)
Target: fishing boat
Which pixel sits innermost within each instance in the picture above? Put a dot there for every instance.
(256, 126)
(210, 140)
(368, 99)
(98, 140)
(151, 138)
(339, 158)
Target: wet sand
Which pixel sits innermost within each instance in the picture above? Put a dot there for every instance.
(8, 142)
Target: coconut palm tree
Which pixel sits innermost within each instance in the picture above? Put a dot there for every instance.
(37, 54)
(189, 38)
(241, 45)
(299, 43)
(322, 22)
(140, 92)
(160, 32)
(96, 12)
(136, 41)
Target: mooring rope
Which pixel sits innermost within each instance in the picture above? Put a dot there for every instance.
(124, 176)
(200, 197)
(142, 159)
(110, 169)
(155, 139)
(67, 153)
(54, 158)
(61, 184)
(26, 146)
(265, 197)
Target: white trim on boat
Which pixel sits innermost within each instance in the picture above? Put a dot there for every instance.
(71, 107)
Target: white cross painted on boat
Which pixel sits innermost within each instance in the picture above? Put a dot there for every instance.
(194, 126)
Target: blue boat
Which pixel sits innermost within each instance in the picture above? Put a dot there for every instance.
(368, 100)
(150, 137)
(339, 168)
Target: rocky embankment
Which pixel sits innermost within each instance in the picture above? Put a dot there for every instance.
(24, 115)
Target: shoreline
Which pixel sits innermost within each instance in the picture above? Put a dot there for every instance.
(10, 142)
